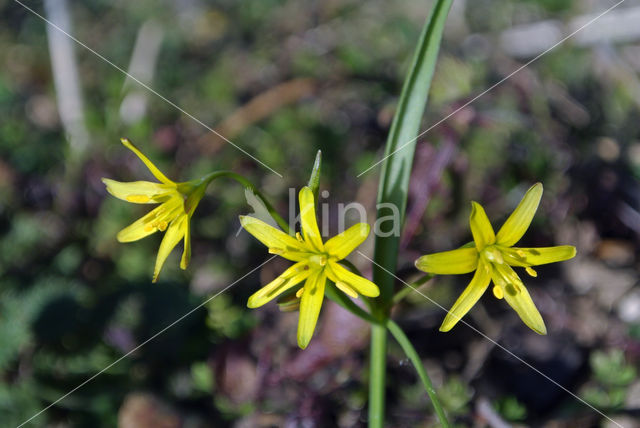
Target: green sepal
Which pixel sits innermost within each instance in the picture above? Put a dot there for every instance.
(314, 179)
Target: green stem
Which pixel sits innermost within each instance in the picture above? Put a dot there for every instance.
(246, 183)
(378, 360)
(343, 300)
(376, 418)
(411, 353)
(404, 291)
(394, 188)
(377, 375)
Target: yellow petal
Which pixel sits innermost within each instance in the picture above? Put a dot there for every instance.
(340, 246)
(291, 277)
(462, 260)
(518, 297)
(537, 256)
(285, 245)
(157, 219)
(481, 229)
(172, 236)
(139, 192)
(338, 273)
(154, 170)
(186, 252)
(469, 296)
(520, 219)
(309, 224)
(310, 305)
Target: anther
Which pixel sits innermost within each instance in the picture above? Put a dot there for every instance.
(531, 272)
(138, 199)
(497, 291)
(298, 236)
(299, 293)
(347, 289)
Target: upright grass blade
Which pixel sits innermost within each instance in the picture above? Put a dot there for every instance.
(393, 190)
(396, 167)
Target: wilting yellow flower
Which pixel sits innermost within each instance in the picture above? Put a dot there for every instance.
(315, 262)
(491, 256)
(178, 202)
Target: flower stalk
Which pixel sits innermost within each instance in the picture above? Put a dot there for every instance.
(393, 190)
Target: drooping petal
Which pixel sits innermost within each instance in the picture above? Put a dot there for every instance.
(139, 192)
(154, 169)
(518, 297)
(537, 256)
(276, 240)
(172, 236)
(291, 277)
(520, 219)
(338, 273)
(469, 296)
(156, 220)
(481, 229)
(310, 305)
(186, 252)
(462, 260)
(340, 246)
(309, 223)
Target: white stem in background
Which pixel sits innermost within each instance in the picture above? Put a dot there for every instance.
(65, 76)
(142, 65)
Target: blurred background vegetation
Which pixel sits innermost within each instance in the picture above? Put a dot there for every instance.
(282, 79)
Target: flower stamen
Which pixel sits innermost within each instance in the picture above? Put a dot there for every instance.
(346, 289)
(497, 291)
(138, 199)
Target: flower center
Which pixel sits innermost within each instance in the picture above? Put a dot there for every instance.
(318, 261)
(492, 254)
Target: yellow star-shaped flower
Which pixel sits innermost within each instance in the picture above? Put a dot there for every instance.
(315, 263)
(177, 202)
(491, 256)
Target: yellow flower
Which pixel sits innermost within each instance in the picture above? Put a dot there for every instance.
(491, 256)
(177, 204)
(315, 263)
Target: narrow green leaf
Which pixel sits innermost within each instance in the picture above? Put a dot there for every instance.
(396, 167)
(411, 353)
(393, 190)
